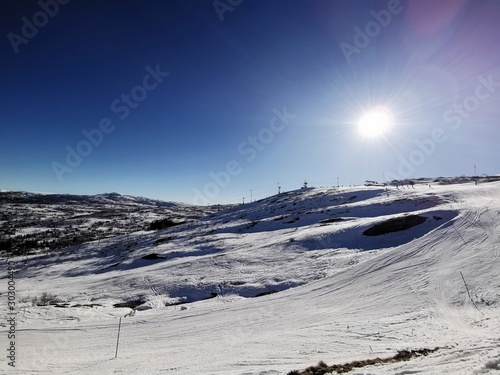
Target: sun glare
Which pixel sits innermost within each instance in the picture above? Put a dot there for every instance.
(375, 122)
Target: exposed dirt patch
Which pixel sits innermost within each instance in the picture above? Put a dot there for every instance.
(151, 256)
(60, 304)
(130, 304)
(91, 305)
(395, 225)
(332, 220)
(323, 368)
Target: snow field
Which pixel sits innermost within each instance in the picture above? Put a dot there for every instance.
(341, 296)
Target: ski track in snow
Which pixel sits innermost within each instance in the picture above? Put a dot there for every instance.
(333, 303)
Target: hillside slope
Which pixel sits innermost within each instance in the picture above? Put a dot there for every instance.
(32, 222)
(200, 292)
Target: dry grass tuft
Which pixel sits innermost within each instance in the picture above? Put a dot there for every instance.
(322, 368)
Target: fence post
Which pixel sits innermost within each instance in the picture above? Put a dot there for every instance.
(118, 338)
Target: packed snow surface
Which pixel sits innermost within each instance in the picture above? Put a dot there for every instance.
(274, 286)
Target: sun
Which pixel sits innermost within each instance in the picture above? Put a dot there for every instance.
(375, 122)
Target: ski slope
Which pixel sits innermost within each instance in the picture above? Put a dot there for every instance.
(335, 294)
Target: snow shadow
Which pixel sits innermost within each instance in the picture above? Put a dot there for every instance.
(353, 237)
(139, 261)
(188, 293)
(290, 214)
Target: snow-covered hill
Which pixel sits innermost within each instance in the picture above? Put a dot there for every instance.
(35, 222)
(274, 286)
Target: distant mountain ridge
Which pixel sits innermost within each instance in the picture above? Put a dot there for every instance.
(115, 198)
(35, 221)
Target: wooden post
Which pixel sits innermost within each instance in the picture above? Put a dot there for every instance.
(468, 292)
(118, 338)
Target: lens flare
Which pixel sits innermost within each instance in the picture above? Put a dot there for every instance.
(375, 122)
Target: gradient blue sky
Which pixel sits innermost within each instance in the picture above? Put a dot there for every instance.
(430, 65)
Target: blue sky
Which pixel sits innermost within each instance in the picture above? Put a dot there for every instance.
(212, 101)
